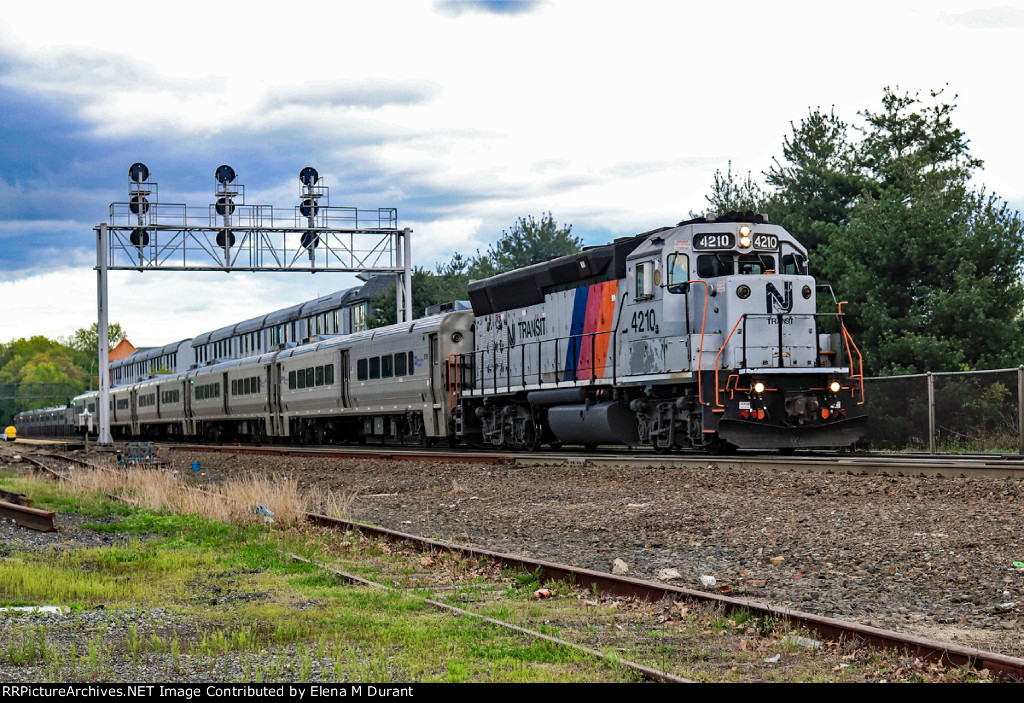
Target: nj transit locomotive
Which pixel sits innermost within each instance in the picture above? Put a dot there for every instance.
(704, 335)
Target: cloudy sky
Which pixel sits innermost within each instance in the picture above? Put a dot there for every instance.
(464, 115)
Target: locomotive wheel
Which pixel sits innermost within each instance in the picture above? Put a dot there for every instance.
(719, 447)
(555, 445)
(590, 447)
(531, 437)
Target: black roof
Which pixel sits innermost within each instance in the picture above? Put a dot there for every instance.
(527, 286)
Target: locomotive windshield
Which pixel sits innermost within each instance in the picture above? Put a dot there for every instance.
(756, 264)
(794, 264)
(715, 265)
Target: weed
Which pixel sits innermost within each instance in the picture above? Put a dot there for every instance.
(457, 673)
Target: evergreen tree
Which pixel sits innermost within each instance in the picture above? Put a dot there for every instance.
(930, 263)
(729, 193)
(528, 242)
(817, 181)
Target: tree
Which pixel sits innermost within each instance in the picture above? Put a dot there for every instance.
(931, 264)
(447, 285)
(86, 339)
(729, 193)
(27, 362)
(817, 181)
(527, 242)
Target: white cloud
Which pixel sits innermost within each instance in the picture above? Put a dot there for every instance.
(612, 117)
(154, 308)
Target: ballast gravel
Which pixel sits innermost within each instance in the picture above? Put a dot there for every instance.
(926, 556)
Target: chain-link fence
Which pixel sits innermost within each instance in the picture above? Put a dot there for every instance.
(971, 411)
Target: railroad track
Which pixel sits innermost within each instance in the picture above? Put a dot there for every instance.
(939, 465)
(866, 463)
(947, 654)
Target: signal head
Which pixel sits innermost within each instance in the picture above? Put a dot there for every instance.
(138, 172)
(225, 174)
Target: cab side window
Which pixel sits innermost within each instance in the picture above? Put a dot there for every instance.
(644, 280)
(678, 266)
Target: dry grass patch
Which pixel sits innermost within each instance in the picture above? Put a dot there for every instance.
(324, 501)
(236, 502)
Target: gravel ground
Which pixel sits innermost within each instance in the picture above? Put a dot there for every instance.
(928, 556)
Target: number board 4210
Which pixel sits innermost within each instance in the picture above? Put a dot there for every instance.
(714, 241)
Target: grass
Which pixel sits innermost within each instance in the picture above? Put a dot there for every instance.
(219, 600)
(239, 609)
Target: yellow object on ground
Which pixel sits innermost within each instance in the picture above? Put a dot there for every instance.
(10, 433)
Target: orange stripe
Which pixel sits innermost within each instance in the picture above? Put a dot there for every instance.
(606, 318)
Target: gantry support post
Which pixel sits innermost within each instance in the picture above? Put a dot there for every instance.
(102, 346)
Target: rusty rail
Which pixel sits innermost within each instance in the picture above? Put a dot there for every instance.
(32, 518)
(825, 627)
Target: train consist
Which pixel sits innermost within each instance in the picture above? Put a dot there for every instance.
(705, 335)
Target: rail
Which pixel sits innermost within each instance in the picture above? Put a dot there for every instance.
(584, 369)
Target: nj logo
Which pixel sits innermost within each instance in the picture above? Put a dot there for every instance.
(776, 302)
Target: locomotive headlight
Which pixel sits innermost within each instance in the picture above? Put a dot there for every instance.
(759, 388)
(834, 386)
(806, 292)
(744, 237)
(743, 292)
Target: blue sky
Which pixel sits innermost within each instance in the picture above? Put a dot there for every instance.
(463, 115)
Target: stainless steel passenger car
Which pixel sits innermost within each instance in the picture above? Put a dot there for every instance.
(386, 384)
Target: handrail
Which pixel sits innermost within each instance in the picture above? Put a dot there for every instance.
(575, 345)
(453, 388)
(848, 340)
(719, 355)
(700, 351)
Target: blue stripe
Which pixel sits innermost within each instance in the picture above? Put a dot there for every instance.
(579, 316)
